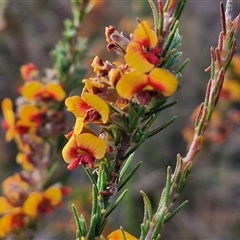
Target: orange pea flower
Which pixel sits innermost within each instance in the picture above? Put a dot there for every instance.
(35, 90)
(30, 116)
(25, 161)
(15, 188)
(142, 52)
(89, 106)
(29, 71)
(143, 57)
(39, 203)
(158, 79)
(12, 221)
(120, 235)
(83, 149)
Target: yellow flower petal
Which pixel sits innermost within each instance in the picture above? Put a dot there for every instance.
(114, 75)
(56, 91)
(30, 206)
(97, 104)
(8, 113)
(78, 126)
(9, 117)
(24, 161)
(5, 224)
(12, 221)
(163, 81)
(29, 116)
(30, 89)
(144, 35)
(69, 151)
(136, 59)
(131, 83)
(5, 205)
(120, 235)
(92, 144)
(77, 106)
(54, 195)
(2, 232)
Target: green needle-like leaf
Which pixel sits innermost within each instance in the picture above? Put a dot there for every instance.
(179, 9)
(90, 175)
(115, 203)
(155, 14)
(78, 234)
(171, 37)
(102, 179)
(163, 126)
(78, 222)
(168, 187)
(83, 225)
(134, 148)
(95, 215)
(95, 199)
(157, 110)
(92, 229)
(159, 223)
(182, 66)
(175, 211)
(130, 175)
(102, 226)
(148, 213)
(125, 166)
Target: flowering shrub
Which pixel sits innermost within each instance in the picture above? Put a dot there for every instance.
(114, 113)
(35, 125)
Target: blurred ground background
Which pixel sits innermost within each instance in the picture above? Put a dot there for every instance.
(29, 31)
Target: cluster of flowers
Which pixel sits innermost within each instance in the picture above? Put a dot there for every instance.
(107, 99)
(35, 126)
(117, 106)
(227, 115)
(114, 113)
